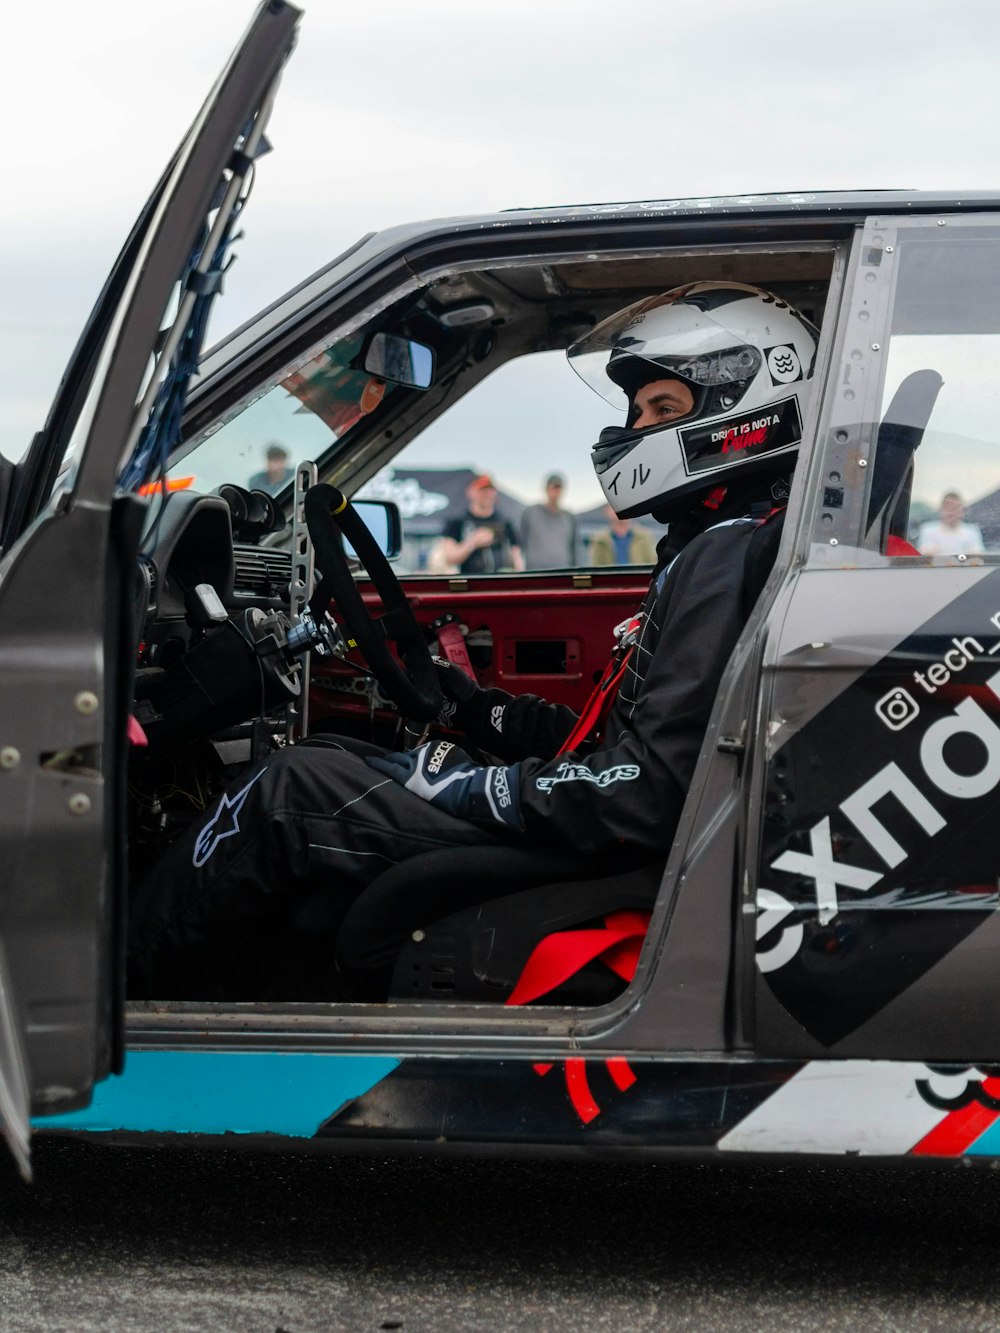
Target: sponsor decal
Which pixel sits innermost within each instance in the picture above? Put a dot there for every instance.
(897, 708)
(884, 856)
(496, 716)
(501, 788)
(439, 756)
(225, 823)
(581, 773)
(783, 364)
(745, 434)
(865, 1107)
(372, 395)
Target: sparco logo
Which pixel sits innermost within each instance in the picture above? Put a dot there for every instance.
(439, 756)
(501, 788)
(580, 773)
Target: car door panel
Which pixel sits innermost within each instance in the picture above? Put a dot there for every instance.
(67, 634)
(877, 871)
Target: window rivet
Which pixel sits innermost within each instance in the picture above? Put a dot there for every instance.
(942, 223)
(9, 757)
(834, 542)
(418, 935)
(79, 803)
(862, 462)
(963, 558)
(876, 347)
(889, 249)
(86, 702)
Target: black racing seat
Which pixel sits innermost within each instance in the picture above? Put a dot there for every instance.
(446, 926)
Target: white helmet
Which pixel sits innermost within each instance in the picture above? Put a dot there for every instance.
(746, 357)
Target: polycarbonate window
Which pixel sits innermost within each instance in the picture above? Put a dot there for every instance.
(912, 464)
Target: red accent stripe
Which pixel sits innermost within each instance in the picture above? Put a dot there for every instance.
(579, 1090)
(621, 1072)
(959, 1129)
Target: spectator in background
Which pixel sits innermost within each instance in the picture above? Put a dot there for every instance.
(481, 542)
(950, 534)
(622, 543)
(276, 472)
(548, 532)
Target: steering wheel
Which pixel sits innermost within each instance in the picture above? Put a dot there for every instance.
(416, 691)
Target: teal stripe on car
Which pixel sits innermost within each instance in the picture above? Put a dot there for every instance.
(226, 1092)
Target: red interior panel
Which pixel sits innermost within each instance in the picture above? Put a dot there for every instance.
(534, 634)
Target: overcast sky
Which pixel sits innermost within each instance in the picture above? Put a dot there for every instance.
(398, 110)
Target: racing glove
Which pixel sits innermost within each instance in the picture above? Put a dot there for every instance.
(444, 776)
(459, 690)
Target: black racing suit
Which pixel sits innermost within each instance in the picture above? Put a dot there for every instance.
(313, 824)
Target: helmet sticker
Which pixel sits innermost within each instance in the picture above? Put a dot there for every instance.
(746, 435)
(783, 364)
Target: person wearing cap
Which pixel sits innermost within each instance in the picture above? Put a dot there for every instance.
(548, 532)
(713, 380)
(482, 541)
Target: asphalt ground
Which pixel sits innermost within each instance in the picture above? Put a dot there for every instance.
(141, 1239)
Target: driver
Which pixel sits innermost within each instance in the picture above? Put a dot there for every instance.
(714, 378)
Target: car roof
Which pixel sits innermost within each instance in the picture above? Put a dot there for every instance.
(841, 208)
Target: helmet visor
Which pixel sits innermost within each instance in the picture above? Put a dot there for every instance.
(638, 345)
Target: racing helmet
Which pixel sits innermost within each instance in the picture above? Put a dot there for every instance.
(746, 358)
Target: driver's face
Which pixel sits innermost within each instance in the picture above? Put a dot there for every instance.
(660, 402)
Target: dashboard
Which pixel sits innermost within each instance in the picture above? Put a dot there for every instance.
(212, 608)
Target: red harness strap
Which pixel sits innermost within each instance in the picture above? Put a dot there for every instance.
(560, 956)
(590, 724)
(598, 706)
(451, 641)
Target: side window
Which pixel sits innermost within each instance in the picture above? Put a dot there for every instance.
(915, 438)
(526, 427)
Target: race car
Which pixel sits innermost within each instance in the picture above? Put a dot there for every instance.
(811, 970)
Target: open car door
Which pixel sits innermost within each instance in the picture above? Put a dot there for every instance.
(68, 588)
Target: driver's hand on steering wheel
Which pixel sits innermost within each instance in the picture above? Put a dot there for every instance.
(444, 776)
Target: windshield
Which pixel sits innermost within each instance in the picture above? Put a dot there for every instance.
(259, 443)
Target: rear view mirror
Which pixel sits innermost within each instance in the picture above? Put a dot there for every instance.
(381, 518)
(400, 360)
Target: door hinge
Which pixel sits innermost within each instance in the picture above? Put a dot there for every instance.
(733, 744)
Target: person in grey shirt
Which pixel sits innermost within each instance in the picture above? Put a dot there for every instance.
(548, 532)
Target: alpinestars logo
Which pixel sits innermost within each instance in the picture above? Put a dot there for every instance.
(225, 823)
(581, 773)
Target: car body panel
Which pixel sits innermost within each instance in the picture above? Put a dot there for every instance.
(820, 1107)
(67, 636)
(715, 1046)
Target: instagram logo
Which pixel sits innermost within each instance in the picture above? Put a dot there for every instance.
(897, 709)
